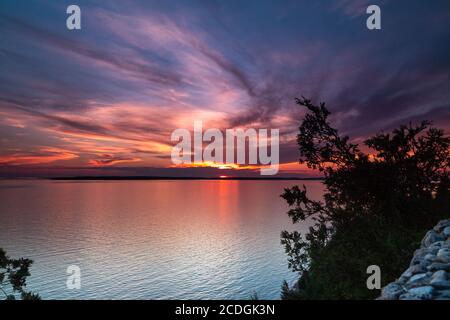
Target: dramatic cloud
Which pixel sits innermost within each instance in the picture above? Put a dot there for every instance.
(42, 155)
(105, 99)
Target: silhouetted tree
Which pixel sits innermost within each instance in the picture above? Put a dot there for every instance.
(376, 207)
(13, 275)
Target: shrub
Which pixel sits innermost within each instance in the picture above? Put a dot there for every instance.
(376, 207)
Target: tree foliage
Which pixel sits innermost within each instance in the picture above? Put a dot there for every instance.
(377, 205)
(13, 275)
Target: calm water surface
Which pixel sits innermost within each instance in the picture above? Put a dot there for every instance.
(150, 239)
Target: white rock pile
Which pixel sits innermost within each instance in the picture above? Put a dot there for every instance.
(428, 275)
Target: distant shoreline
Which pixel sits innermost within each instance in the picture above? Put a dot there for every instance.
(175, 178)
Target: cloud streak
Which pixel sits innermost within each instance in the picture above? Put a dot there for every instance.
(111, 94)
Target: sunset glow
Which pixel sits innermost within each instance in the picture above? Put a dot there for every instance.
(214, 158)
(110, 95)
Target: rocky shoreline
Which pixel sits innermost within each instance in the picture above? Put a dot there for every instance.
(428, 276)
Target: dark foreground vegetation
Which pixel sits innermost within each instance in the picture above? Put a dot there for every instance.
(377, 205)
(13, 275)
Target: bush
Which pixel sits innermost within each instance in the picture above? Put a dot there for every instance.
(13, 275)
(377, 205)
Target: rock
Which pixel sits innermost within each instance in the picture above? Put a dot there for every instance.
(425, 292)
(422, 252)
(441, 225)
(392, 291)
(435, 266)
(435, 246)
(446, 231)
(419, 268)
(438, 276)
(444, 252)
(443, 295)
(429, 257)
(407, 274)
(409, 296)
(418, 280)
(431, 237)
(417, 277)
(441, 285)
(419, 259)
(441, 259)
(428, 275)
(416, 268)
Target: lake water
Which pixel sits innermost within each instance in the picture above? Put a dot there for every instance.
(166, 239)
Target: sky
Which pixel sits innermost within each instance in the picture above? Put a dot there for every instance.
(105, 99)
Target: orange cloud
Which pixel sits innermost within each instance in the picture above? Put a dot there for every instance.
(42, 156)
(289, 167)
(109, 160)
